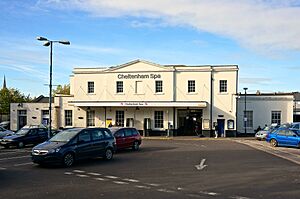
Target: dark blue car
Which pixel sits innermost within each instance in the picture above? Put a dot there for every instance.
(284, 137)
(74, 144)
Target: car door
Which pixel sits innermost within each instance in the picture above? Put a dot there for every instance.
(120, 138)
(281, 136)
(129, 139)
(32, 137)
(84, 147)
(98, 142)
(292, 138)
(43, 135)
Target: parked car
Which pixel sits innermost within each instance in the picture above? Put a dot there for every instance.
(262, 134)
(5, 124)
(127, 137)
(74, 144)
(284, 137)
(295, 125)
(24, 137)
(4, 132)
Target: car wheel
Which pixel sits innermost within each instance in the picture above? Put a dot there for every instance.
(135, 146)
(20, 145)
(68, 160)
(274, 143)
(108, 154)
(6, 147)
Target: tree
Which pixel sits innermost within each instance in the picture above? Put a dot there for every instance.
(11, 95)
(65, 89)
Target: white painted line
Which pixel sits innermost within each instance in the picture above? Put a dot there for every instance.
(18, 157)
(68, 173)
(21, 164)
(120, 182)
(100, 179)
(239, 197)
(78, 171)
(209, 193)
(82, 176)
(112, 177)
(94, 174)
(165, 190)
(194, 196)
(201, 165)
(152, 184)
(179, 188)
(131, 180)
(2, 168)
(142, 187)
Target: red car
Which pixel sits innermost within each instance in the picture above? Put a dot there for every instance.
(127, 137)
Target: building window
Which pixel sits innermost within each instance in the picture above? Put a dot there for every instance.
(119, 87)
(158, 86)
(191, 86)
(158, 119)
(90, 117)
(90, 87)
(139, 89)
(223, 86)
(68, 118)
(22, 118)
(276, 117)
(119, 118)
(248, 116)
(45, 117)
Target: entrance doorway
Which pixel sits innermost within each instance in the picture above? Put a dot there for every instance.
(221, 127)
(22, 118)
(189, 122)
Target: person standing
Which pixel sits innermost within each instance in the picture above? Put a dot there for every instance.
(216, 130)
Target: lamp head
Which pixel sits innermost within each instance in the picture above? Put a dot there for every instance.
(42, 39)
(245, 89)
(47, 43)
(65, 42)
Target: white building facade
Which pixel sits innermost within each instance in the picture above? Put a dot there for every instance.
(264, 109)
(156, 99)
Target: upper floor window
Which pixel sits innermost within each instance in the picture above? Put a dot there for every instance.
(276, 117)
(191, 86)
(119, 87)
(158, 86)
(90, 87)
(139, 87)
(223, 86)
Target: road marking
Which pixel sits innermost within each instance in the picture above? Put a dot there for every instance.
(120, 182)
(100, 179)
(94, 174)
(239, 197)
(112, 177)
(142, 187)
(18, 157)
(194, 196)
(21, 164)
(179, 188)
(165, 190)
(82, 176)
(152, 184)
(78, 171)
(2, 168)
(209, 193)
(68, 173)
(131, 180)
(201, 165)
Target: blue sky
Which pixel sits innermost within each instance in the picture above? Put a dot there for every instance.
(261, 36)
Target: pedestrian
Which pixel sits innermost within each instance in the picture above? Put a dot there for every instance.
(258, 129)
(110, 124)
(216, 130)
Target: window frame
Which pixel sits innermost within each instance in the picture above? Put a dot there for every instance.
(91, 87)
(223, 86)
(158, 119)
(90, 118)
(68, 118)
(120, 117)
(191, 86)
(119, 87)
(158, 86)
(275, 117)
(249, 122)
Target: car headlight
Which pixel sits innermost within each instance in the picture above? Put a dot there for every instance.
(54, 150)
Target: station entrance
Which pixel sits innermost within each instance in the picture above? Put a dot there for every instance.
(189, 122)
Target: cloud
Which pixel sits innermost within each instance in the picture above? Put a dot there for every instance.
(263, 25)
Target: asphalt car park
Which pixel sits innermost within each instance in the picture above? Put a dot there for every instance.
(212, 168)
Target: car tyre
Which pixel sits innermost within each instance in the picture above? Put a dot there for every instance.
(68, 160)
(20, 145)
(108, 155)
(274, 143)
(135, 146)
(6, 147)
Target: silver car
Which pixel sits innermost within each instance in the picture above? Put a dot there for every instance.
(4, 132)
(262, 134)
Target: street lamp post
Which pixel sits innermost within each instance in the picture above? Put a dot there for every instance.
(50, 43)
(245, 116)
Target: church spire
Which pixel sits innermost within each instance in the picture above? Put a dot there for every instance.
(4, 82)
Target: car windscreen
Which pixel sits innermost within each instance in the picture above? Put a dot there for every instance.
(65, 136)
(22, 132)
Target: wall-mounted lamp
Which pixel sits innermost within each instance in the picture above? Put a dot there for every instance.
(20, 105)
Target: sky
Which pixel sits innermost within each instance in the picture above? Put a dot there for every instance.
(260, 36)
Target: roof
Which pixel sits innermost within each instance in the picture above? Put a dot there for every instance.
(41, 99)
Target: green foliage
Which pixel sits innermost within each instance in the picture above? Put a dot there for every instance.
(65, 89)
(11, 95)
